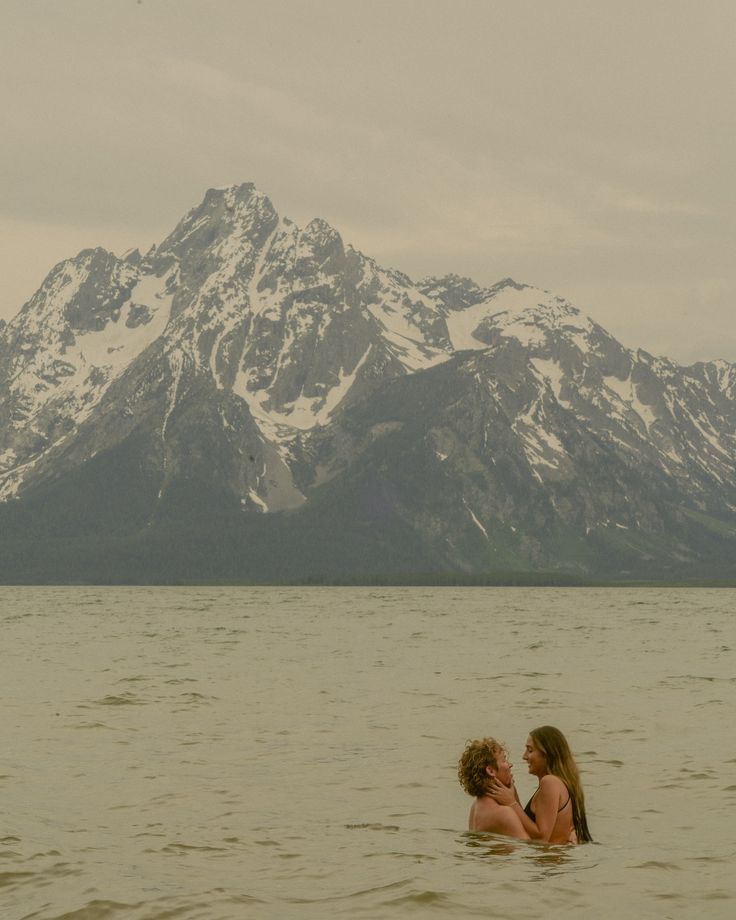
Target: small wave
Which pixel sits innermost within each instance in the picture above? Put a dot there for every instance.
(98, 910)
(710, 859)
(708, 678)
(122, 699)
(360, 893)
(421, 899)
(191, 847)
(11, 879)
(44, 876)
(9, 854)
(244, 899)
(193, 697)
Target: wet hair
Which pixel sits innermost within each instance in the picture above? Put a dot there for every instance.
(560, 762)
(471, 768)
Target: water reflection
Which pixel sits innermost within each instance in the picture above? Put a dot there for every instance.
(550, 858)
(485, 845)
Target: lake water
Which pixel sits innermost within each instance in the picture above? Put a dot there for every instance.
(218, 753)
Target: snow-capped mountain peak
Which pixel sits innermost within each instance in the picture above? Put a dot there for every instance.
(273, 339)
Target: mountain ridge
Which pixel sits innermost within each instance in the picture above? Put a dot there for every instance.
(275, 366)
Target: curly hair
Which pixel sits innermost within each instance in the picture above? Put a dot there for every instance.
(471, 768)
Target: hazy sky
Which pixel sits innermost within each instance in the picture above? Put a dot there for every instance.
(585, 146)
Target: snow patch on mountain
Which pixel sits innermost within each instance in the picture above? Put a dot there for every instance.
(7, 459)
(257, 501)
(541, 445)
(524, 329)
(475, 520)
(501, 303)
(626, 392)
(552, 373)
(301, 414)
(532, 324)
(395, 308)
(142, 320)
(11, 482)
(461, 325)
(74, 370)
(176, 364)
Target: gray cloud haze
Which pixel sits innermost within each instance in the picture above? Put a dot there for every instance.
(585, 147)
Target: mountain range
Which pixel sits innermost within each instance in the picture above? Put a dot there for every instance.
(251, 401)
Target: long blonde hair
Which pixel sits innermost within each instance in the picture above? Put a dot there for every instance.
(560, 762)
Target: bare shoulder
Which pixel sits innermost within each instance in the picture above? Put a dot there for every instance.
(551, 781)
(552, 785)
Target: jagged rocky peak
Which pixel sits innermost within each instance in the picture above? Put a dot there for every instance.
(453, 291)
(320, 249)
(101, 294)
(133, 257)
(478, 317)
(456, 292)
(82, 294)
(725, 374)
(239, 211)
(509, 283)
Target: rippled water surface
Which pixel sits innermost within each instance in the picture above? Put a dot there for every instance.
(239, 752)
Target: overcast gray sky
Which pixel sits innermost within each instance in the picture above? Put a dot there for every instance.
(587, 147)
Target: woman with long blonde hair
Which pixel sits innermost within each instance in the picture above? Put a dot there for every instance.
(556, 811)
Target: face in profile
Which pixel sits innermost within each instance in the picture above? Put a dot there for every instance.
(534, 758)
(503, 769)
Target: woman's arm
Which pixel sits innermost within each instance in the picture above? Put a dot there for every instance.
(546, 802)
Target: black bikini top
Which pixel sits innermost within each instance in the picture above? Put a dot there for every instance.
(530, 812)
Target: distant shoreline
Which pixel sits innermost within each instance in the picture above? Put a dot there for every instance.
(516, 580)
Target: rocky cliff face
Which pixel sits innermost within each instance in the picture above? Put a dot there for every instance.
(452, 427)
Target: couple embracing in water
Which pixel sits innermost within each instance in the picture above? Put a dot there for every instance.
(556, 811)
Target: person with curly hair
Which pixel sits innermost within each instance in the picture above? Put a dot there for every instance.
(483, 762)
(556, 811)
